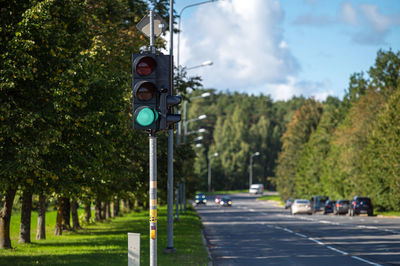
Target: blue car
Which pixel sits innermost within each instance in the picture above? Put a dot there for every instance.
(200, 199)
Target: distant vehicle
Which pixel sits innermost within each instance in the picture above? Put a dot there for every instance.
(200, 198)
(318, 202)
(341, 207)
(329, 206)
(361, 205)
(217, 199)
(301, 206)
(288, 203)
(226, 201)
(256, 189)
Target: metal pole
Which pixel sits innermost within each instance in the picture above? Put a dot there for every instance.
(184, 132)
(209, 174)
(153, 199)
(184, 195)
(251, 171)
(180, 196)
(170, 185)
(152, 39)
(177, 203)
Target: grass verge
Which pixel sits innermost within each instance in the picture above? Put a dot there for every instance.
(274, 198)
(106, 243)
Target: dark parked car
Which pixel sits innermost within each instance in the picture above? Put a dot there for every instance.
(318, 203)
(288, 203)
(200, 199)
(361, 205)
(342, 207)
(226, 201)
(329, 206)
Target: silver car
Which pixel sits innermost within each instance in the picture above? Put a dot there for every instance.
(301, 206)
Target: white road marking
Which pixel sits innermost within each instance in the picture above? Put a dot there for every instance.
(366, 261)
(316, 241)
(301, 235)
(287, 230)
(337, 250)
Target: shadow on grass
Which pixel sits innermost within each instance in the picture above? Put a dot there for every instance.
(95, 258)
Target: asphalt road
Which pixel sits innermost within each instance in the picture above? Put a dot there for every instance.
(255, 232)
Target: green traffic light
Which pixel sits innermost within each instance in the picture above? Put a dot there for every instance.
(146, 117)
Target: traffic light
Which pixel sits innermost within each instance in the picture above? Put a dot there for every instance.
(152, 94)
(150, 80)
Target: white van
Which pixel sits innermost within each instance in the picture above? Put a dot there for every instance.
(256, 189)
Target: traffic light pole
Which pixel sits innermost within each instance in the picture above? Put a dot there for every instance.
(153, 170)
(170, 185)
(153, 198)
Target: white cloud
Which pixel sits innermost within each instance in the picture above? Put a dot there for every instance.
(292, 87)
(378, 21)
(245, 41)
(348, 14)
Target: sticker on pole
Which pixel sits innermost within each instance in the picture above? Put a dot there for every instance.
(159, 25)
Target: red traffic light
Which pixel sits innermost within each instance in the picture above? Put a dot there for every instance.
(145, 66)
(145, 91)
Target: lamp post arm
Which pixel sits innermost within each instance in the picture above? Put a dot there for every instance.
(179, 24)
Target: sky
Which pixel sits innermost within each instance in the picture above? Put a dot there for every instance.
(285, 48)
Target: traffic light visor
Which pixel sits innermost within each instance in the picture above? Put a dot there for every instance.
(145, 66)
(145, 91)
(146, 116)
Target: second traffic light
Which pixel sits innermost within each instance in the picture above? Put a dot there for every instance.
(152, 94)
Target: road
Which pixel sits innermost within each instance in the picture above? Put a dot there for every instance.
(255, 232)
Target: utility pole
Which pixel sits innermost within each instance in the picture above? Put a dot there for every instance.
(170, 186)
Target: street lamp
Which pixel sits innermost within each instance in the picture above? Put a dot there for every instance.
(179, 24)
(251, 168)
(201, 130)
(209, 170)
(185, 125)
(198, 138)
(206, 63)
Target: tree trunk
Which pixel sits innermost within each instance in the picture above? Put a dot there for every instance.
(107, 208)
(41, 221)
(75, 217)
(97, 211)
(66, 214)
(130, 205)
(59, 220)
(88, 212)
(26, 211)
(125, 204)
(116, 208)
(5, 218)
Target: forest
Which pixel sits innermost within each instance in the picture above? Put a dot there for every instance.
(66, 138)
(338, 147)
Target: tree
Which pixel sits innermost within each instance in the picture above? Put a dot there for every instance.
(298, 132)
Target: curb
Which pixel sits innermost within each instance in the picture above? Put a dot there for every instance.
(210, 259)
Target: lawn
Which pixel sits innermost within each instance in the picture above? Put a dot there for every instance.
(106, 243)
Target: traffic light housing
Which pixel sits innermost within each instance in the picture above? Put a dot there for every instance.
(152, 93)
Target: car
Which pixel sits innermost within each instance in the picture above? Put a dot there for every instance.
(341, 207)
(200, 198)
(288, 203)
(256, 189)
(329, 206)
(301, 206)
(318, 202)
(217, 199)
(226, 201)
(361, 205)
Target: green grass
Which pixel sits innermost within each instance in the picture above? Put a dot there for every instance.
(106, 243)
(274, 198)
(220, 192)
(392, 213)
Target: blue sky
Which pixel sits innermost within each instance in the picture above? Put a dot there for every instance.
(288, 47)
